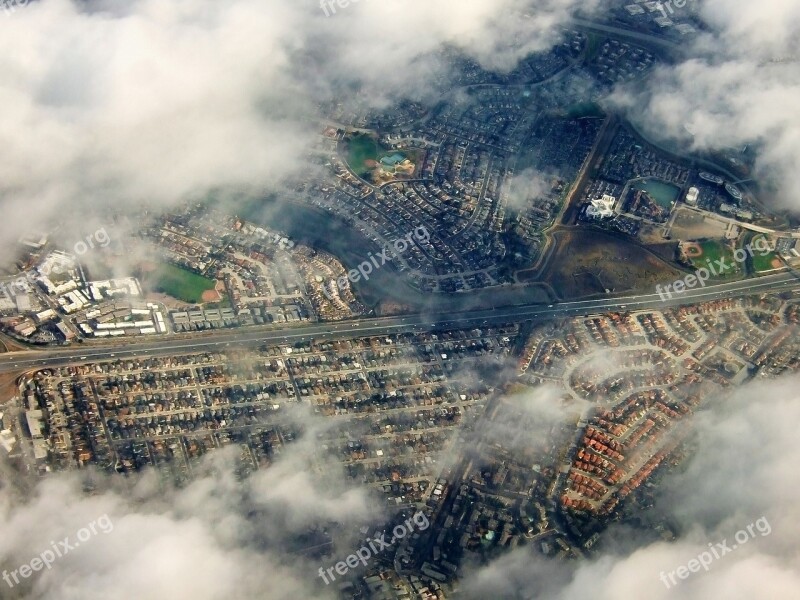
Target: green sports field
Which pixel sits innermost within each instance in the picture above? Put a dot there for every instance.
(360, 149)
(714, 250)
(763, 263)
(180, 283)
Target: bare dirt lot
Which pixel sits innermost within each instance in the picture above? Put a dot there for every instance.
(689, 225)
(8, 386)
(587, 262)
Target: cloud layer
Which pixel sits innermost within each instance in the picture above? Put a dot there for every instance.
(219, 537)
(741, 470)
(110, 105)
(739, 86)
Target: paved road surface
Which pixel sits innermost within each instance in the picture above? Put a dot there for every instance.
(18, 361)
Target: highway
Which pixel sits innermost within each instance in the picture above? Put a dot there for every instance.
(29, 359)
(659, 42)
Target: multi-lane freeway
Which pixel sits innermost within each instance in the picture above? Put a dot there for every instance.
(31, 359)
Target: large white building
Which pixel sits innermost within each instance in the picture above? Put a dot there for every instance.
(692, 195)
(601, 208)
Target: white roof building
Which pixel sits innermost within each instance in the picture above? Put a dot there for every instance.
(23, 302)
(602, 208)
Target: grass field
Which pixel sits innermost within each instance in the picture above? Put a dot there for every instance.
(180, 283)
(762, 263)
(360, 149)
(592, 46)
(714, 250)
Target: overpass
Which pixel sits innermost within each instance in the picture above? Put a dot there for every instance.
(731, 221)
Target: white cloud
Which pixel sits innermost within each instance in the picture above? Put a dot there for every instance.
(741, 85)
(742, 468)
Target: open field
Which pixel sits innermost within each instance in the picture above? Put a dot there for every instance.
(362, 154)
(714, 250)
(8, 385)
(766, 262)
(9, 345)
(691, 225)
(179, 283)
(588, 262)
